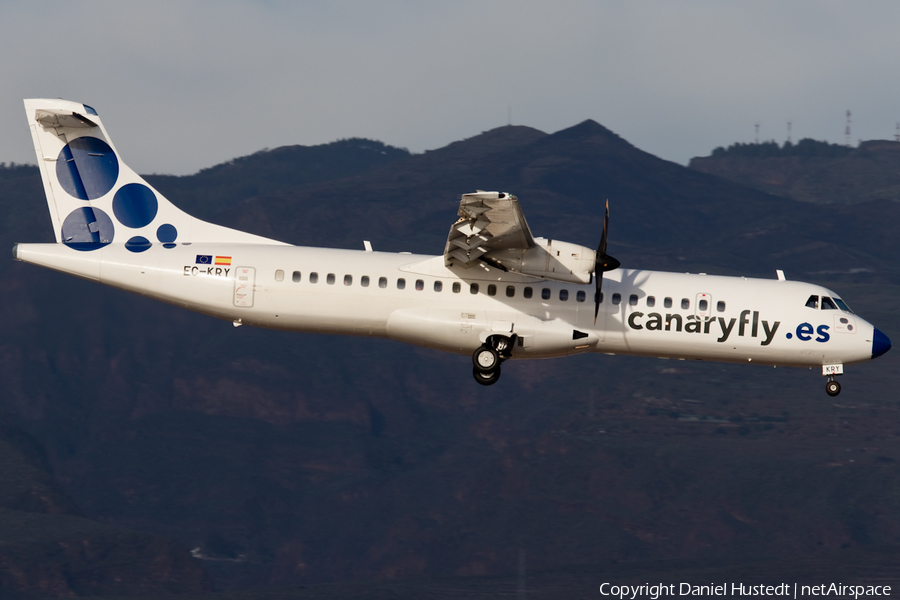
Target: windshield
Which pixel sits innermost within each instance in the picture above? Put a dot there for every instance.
(843, 305)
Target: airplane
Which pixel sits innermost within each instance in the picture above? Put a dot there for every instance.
(496, 293)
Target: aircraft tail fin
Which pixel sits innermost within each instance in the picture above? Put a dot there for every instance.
(96, 199)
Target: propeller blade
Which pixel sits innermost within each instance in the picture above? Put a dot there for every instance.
(602, 262)
(601, 249)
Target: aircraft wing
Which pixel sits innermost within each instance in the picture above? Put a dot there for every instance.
(489, 223)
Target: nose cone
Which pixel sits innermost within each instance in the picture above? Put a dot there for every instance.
(880, 344)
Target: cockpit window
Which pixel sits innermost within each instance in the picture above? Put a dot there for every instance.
(813, 302)
(843, 305)
(828, 304)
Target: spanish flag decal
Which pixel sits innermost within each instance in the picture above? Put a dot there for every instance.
(223, 260)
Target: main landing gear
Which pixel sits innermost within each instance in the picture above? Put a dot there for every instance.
(487, 358)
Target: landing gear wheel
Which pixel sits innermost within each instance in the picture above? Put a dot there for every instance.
(489, 378)
(833, 388)
(486, 360)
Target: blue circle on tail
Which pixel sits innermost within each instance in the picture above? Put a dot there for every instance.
(137, 244)
(87, 168)
(87, 229)
(166, 233)
(135, 205)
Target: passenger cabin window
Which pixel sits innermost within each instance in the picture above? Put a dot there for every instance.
(720, 306)
(510, 291)
(314, 278)
(420, 285)
(545, 294)
(364, 281)
(295, 277)
(685, 303)
(828, 304)
(632, 300)
(667, 303)
(702, 305)
(330, 279)
(580, 296)
(651, 301)
(617, 298)
(401, 284)
(438, 286)
(563, 295)
(527, 292)
(382, 282)
(473, 288)
(813, 302)
(492, 290)
(279, 275)
(348, 279)
(456, 287)
(600, 299)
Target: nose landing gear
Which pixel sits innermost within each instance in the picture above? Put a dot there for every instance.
(488, 357)
(832, 387)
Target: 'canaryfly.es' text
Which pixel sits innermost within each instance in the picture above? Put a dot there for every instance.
(695, 324)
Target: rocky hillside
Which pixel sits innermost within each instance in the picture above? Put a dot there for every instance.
(49, 549)
(866, 173)
(291, 459)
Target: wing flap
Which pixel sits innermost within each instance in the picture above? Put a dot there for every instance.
(488, 222)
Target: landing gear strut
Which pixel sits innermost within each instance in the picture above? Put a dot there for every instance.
(488, 357)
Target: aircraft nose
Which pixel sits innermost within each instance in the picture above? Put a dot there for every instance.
(880, 344)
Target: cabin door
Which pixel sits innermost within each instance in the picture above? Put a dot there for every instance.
(244, 279)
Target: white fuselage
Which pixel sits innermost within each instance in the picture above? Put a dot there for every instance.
(417, 299)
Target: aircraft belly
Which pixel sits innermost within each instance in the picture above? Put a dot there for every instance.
(448, 329)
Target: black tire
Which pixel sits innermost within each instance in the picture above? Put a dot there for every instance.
(833, 388)
(485, 359)
(489, 378)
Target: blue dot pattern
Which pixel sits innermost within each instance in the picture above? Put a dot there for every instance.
(87, 168)
(135, 205)
(137, 244)
(166, 233)
(87, 229)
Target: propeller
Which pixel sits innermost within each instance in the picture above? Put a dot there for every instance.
(602, 262)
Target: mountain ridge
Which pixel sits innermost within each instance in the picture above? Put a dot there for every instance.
(871, 171)
(321, 458)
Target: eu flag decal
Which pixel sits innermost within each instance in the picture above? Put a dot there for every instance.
(204, 259)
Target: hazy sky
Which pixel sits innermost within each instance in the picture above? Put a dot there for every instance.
(186, 85)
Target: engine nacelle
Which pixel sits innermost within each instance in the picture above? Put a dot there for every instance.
(551, 259)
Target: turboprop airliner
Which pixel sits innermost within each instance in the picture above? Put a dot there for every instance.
(496, 293)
